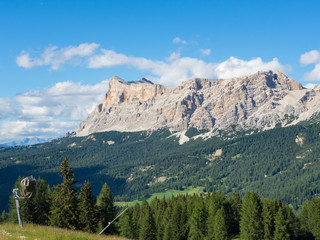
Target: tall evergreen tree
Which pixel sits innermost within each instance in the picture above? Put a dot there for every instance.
(106, 209)
(281, 231)
(36, 209)
(251, 223)
(268, 214)
(88, 218)
(126, 225)
(197, 221)
(64, 208)
(148, 228)
(220, 225)
(216, 200)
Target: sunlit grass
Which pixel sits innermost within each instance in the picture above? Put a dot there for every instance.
(10, 231)
(166, 194)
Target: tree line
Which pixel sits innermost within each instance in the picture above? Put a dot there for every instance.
(65, 206)
(200, 216)
(217, 217)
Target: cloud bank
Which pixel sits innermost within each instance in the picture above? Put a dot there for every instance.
(48, 113)
(311, 57)
(54, 57)
(54, 111)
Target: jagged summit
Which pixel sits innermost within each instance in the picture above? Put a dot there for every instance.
(261, 101)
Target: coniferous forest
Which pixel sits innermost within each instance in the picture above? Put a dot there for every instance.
(211, 215)
(279, 163)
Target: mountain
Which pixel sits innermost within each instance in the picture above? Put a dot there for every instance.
(145, 139)
(25, 142)
(258, 101)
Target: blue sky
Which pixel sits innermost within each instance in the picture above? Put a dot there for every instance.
(56, 56)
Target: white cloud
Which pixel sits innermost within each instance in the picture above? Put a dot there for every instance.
(234, 67)
(50, 112)
(7, 108)
(176, 69)
(205, 52)
(179, 40)
(54, 57)
(311, 57)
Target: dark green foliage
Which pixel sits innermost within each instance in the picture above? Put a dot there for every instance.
(64, 208)
(126, 225)
(106, 209)
(221, 225)
(281, 226)
(148, 228)
(268, 213)
(310, 217)
(88, 218)
(270, 163)
(36, 209)
(197, 220)
(215, 202)
(3, 216)
(251, 224)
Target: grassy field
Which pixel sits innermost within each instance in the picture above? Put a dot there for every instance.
(166, 194)
(10, 231)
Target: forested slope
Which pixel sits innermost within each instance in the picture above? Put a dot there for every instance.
(279, 163)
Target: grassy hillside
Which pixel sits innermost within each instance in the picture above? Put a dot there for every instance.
(10, 231)
(280, 163)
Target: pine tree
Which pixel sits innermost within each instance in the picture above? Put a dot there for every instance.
(216, 200)
(197, 221)
(64, 212)
(106, 209)
(148, 228)
(126, 225)
(268, 213)
(88, 218)
(36, 209)
(281, 231)
(220, 225)
(251, 223)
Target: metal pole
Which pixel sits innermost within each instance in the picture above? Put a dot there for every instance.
(16, 197)
(112, 221)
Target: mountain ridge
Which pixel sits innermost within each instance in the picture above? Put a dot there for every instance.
(259, 101)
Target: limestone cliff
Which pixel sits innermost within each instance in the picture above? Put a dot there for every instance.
(261, 101)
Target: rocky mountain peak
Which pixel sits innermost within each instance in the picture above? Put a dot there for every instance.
(258, 101)
(121, 91)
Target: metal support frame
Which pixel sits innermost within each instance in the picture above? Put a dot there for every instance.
(16, 197)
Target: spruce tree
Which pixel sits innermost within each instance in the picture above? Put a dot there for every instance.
(36, 209)
(88, 218)
(148, 228)
(251, 223)
(216, 200)
(64, 208)
(281, 231)
(126, 225)
(197, 221)
(106, 209)
(220, 225)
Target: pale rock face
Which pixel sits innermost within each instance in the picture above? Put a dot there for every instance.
(258, 101)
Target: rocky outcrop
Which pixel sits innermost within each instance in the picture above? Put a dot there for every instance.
(261, 101)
